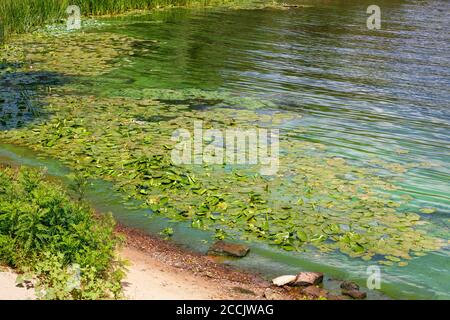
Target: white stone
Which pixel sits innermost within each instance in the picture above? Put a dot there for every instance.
(284, 280)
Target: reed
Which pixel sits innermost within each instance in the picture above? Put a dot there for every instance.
(19, 16)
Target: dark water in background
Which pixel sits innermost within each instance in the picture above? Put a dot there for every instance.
(361, 93)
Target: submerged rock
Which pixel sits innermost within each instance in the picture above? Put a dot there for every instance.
(315, 292)
(355, 294)
(349, 285)
(308, 279)
(228, 249)
(284, 280)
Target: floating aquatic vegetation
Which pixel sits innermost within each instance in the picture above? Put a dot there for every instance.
(310, 201)
(35, 63)
(314, 200)
(265, 4)
(427, 210)
(72, 54)
(61, 28)
(194, 98)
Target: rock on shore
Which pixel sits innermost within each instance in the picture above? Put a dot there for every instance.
(303, 279)
(308, 279)
(315, 292)
(349, 285)
(228, 249)
(284, 280)
(351, 289)
(355, 294)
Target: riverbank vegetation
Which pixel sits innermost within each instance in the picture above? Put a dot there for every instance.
(57, 244)
(20, 16)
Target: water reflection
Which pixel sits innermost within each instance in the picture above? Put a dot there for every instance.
(19, 101)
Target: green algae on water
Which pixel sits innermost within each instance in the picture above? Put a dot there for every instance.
(125, 137)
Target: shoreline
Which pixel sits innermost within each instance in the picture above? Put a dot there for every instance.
(162, 270)
(159, 269)
(182, 274)
(166, 267)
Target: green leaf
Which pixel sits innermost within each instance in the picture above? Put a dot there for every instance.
(302, 236)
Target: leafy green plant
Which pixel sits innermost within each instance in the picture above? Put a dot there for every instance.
(43, 233)
(166, 233)
(79, 183)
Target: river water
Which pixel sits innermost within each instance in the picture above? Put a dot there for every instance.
(362, 93)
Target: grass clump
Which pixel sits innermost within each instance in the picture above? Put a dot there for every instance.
(56, 244)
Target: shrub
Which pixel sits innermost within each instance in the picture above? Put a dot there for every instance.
(43, 233)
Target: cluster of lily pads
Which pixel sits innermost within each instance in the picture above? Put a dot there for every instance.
(125, 137)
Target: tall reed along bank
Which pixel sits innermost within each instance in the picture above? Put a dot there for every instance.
(18, 16)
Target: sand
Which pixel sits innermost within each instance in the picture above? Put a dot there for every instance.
(149, 279)
(8, 289)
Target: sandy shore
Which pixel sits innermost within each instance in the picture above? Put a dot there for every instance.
(162, 270)
(8, 289)
(149, 279)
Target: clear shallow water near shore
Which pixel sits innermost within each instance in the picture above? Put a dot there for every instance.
(364, 94)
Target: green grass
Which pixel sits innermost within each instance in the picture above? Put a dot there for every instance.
(45, 236)
(18, 16)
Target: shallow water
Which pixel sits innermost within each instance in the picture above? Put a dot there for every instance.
(364, 94)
